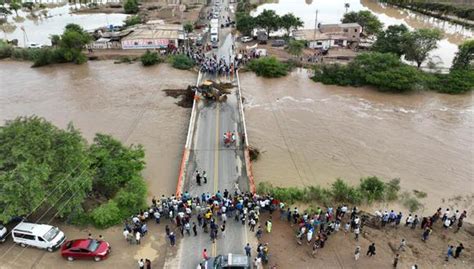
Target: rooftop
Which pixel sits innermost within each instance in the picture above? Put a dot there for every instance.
(341, 25)
(156, 31)
(310, 35)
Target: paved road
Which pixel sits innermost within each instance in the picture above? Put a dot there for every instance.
(225, 166)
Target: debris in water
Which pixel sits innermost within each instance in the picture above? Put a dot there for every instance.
(187, 96)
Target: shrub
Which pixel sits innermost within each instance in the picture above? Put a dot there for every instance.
(150, 58)
(5, 51)
(420, 194)
(42, 57)
(384, 71)
(131, 7)
(268, 67)
(456, 82)
(372, 188)
(106, 215)
(391, 189)
(342, 192)
(317, 193)
(410, 202)
(181, 61)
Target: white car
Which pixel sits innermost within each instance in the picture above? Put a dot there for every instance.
(34, 46)
(38, 235)
(3, 233)
(246, 39)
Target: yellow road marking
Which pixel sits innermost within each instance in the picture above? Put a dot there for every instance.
(216, 152)
(216, 168)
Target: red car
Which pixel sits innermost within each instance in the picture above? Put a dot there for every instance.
(85, 249)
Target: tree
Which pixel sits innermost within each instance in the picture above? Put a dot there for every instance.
(114, 164)
(369, 22)
(188, 27)
(245, 23)
(391, 40)
(268, 67)
(464, 59)
(290, 21)
(182, 62)
(15, 5)
(131, 7)
(41, 167)
(419, 43)
(72, 41)
(150, 58)
(295, 47)
(55, 40)
(268, 20)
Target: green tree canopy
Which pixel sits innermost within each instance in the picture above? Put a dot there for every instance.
(464, 59)
(114, 164)
(41, 166)
(268, 20)
(419, 43)
(15, 5)
(245, 23)
(188, 27)
(391, 40)
(268, 67)
(131, 7)
(369, 22)
(290, 22)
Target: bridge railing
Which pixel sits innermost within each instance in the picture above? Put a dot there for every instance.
(187, 146)
(248, 163)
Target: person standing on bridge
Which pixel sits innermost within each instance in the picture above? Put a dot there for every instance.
(248, 250)
(204, 177)
(198, 178)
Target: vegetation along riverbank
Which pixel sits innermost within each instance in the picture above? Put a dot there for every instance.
(448, 11)
(98, 183)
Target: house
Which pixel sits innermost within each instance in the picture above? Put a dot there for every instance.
(109, 40)
(351, 31)
(153, 36)
(318, 40)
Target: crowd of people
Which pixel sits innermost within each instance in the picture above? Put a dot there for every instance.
(210, 213)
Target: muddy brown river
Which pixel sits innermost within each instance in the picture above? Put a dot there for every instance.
(123, 100)
(309, 133)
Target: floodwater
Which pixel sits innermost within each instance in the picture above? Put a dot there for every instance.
(123, 100)
(311, 134)
(332, 12)
(39, 27)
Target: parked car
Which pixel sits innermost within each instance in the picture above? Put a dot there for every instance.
(38, 235)
(215, 44)
(34, 46)
(246, 39)
(278, 43)
(234, 261)
(82, 249)
(3, 233)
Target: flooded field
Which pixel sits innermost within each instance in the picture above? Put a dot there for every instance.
(311, 134)
(332, 12)
(124, 100)
(38, 26)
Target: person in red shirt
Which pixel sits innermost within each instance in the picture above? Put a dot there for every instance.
(204, 254)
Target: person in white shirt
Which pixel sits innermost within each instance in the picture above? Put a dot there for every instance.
(141, 264)
(125, 234)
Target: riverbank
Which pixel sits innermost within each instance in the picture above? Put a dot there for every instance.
(444, 11)
(311, 134)
(338, 251)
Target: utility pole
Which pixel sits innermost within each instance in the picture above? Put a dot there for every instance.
(315, 25)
